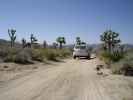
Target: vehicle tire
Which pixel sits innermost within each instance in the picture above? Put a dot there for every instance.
(74, 57)
(88, 57)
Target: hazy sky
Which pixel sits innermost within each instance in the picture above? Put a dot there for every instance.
(48, 19)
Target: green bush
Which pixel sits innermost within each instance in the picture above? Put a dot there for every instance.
(114, 57)
(37, 55)
(65, 52)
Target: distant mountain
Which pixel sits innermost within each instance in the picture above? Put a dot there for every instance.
(6, 43)
(128, 46)
(69, 46)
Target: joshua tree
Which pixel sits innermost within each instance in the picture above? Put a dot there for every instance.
(33, 39)
(78, 41)
(61, 40)
(12, 36)
(110, 40)
(55, 45)
(28, 44)
(24, 43)
(44, 44)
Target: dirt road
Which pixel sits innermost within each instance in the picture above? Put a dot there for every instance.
(68, 80)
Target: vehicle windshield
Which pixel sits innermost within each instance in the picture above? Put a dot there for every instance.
(80, 47)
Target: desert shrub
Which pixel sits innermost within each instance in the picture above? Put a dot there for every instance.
(65, 52)
(10, 54)
(50, 54)
(22, 57)
(44, 54)
(37, 55)
(17, 55)
(9, 58)
(123, 65)
(116, 67)
(3, 52)
(28, 50)
(27, 55)
(114, 57)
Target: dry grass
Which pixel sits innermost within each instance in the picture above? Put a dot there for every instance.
(123, 65)
(28, 55)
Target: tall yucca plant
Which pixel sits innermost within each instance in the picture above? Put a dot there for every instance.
(110, 40)
(32, 39)
(23, 43)
(12, 35)
(78, 40)
(61, 41)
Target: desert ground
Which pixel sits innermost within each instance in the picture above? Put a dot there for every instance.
(67, 80)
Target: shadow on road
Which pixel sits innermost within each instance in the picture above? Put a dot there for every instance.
(84, 58)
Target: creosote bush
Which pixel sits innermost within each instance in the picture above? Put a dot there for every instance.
(28, 55)
(50, 54)
(10, 54)
(37, 55)
(114, 57)
(23, 57)
(65, 52)
(124, 66)
(17, 55)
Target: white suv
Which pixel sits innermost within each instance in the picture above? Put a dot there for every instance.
(81, 51)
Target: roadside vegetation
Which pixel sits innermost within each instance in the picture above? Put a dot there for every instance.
(125, 65)
(112, 52)
(28, 52)
(115, 55)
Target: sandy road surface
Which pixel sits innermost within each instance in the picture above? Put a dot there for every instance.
(70, 80)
